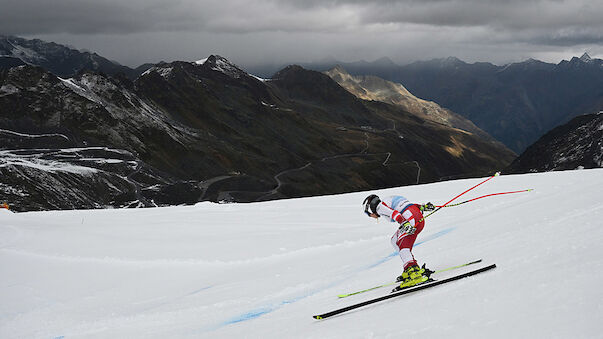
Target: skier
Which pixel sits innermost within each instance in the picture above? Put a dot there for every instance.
(410, 218)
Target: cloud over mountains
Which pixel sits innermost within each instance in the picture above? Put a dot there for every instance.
(471, 29)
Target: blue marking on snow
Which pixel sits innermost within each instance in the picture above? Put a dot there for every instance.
(249, 315)
(395, 254)
(435, 235)
(264, 309)
(380, 261)
(61, 337)
(260, 311)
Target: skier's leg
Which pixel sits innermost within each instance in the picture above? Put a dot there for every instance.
(404, 242)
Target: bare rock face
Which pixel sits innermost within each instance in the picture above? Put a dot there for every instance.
(370, 87)
(574, 145)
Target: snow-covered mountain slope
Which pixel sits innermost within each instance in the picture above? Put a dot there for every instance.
(261, 270)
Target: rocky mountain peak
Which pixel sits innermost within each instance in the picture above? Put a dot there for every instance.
(340, 74)
(287, 71)
(339, 69)
(314, 82)
(221, 64)
(452, 61)
(528, 65)
(585, 57)
(200, 61)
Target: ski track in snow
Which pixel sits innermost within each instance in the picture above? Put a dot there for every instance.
(265, 309)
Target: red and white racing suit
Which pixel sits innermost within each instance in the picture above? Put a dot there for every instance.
(398, 209)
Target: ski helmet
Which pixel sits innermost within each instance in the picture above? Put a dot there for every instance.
(370, 204)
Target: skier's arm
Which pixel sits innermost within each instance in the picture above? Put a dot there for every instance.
(394, 215)
(385, 211)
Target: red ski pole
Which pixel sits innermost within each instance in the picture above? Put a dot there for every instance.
(451, 200)
(487, 195)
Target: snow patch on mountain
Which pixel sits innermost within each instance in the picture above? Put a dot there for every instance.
(8, 89)
(200, 62)
(221, 64)
(102, 91)
(81, 90)
(71, 84)
(24, 53)
(10, 159)
(8, 190)
(258, 78)
(164, 72)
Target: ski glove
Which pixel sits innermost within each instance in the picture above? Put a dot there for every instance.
(407, 228)
(427, 207)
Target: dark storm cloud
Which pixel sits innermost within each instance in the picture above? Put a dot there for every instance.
(352, 28)
(543, 21)
(576, 36)
(238, 16)
(93, 17)
(139, 16)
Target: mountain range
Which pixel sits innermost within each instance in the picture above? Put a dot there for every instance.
(184, 132)
(80, 131)
(515, 103)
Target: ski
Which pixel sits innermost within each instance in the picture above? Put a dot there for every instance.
(403, 292)
(397, 282)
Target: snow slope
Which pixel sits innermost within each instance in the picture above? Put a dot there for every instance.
(261, 270)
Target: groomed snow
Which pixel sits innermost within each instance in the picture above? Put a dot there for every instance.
(261, 270)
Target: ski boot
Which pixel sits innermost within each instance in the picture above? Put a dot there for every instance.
(413, 276)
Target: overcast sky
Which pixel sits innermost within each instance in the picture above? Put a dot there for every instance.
(249, 33)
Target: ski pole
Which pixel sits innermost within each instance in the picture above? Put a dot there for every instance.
(485, 196)
(451, 200)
